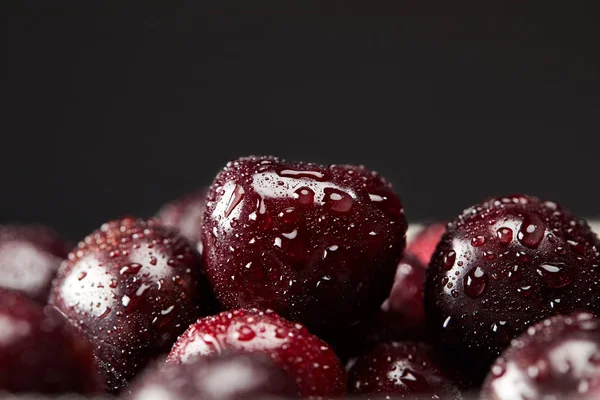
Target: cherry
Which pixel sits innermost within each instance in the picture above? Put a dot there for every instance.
(29, 259)
(185, 214)
(318, 245)
(307, 359)
(403, 370)
(131, 288)
(557, 358)
(425, 241)
(503, 265)
(224, 377)
(39, 353)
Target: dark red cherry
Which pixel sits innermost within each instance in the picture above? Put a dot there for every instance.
(503, 265)
(425, 241)
(310, 362)
(401, 370)
(185, 215)
(131, 288)
(224, 377)
(29, 258)
(558, 358)
(38, 351)
(319, 245)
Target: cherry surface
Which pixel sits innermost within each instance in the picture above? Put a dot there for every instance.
(424, 243)
(38, 351)
(223, 377)
(558, 358)
(131, 288)
(29, 258)
(185, 215)
(310, 362)
(401, 370)
(317, 244)
(503, 265)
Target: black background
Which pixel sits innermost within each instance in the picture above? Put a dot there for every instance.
(115, 110)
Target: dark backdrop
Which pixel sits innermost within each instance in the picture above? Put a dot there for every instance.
(114, 110)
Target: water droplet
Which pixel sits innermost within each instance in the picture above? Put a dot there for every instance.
(446, 322)
(337, 200)
(505, 235)
(305, 195)
(113, 283)
(525, 291)
(475, 282)
(555, 275)
(82, 275)
(531, 231)
(478, 241)
(153, 260)
(245, 333)
(498, 370)
(454, 293)
(449, 259)
(577, 247)
(290, 173)
(130, 269)
(280, 333)
(125, 300)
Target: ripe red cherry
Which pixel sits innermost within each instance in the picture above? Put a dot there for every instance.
(39, 353)
(558, 358)
(223, 377)
(131, 288)
(307, 359)
(29, 259)
(505, 264)
(424, 243)
(318, 245)
(402, 370)
(185, 215)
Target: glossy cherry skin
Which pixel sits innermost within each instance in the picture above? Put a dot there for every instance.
(503, 265)
(310, 362)
(318, 245)
(29, 258)
(558, 358)
(401, 370)
(131, 288)
(424, 243)
(185, 215)
(224, 377)
(38, 351)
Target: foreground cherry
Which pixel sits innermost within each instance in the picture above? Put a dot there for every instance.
(313, 366)
(38, 351)
(29, 259)
(225, 377)
(503, 265)
(558, 358)
(424, 243)
(401, 370)
(131, 288)
(318, 245)
(185, 215)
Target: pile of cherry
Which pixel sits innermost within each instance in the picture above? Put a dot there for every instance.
(294, 279)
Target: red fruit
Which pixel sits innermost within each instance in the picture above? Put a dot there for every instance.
(303, 356)
(558, 358)
(38, 353)
(319, 245)
(404, 310)
(424, 243)
(29, 259)
(185, 215)
(131, 288)
(403, 370)
(503, 265)
(223, 377)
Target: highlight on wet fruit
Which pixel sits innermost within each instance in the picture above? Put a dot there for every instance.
(503, 265)
(131, 288)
